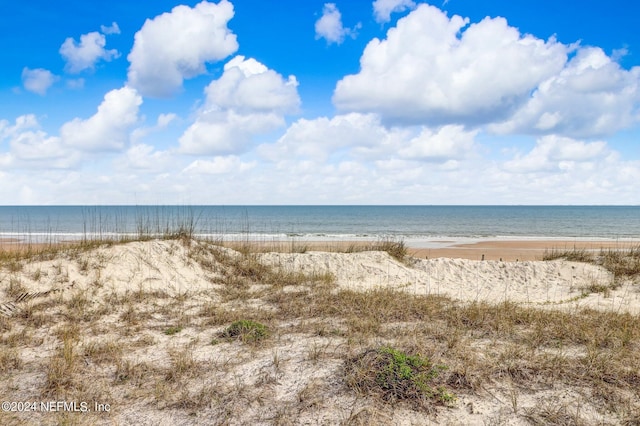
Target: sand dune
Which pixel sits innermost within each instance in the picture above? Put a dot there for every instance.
(298, 375)
(538, 283)
(166, 266)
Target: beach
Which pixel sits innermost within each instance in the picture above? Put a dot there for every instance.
(188, 331)
(515, 249)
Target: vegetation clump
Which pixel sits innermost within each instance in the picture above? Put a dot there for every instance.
(573, 255)
(173, 330)
(394, 376)
(246, 330)
(625, 263)
(396, 248)
(622, 262)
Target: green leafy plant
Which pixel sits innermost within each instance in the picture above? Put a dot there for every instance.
(246, 330)
(173, 330)
(394, 375)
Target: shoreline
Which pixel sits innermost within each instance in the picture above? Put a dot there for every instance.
(525, 249)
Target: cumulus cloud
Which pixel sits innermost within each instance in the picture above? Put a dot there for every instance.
(219, 165)
(247, 86)
(84, 55)
(382, 9)
(111, 29)
(36, 145)
(27, 141)
(37, 80)
(108, 129)
(429, 71)
(22, 123)
(31, 147)
(317, 139)
(432, 69)
(555, 153)
(145, 157)
(248, 99)
(364, 138)
(225, 132)
(330, 27)
(162, 122)
(591, 97)
(175, 46)
(450, 142)
(165, 119)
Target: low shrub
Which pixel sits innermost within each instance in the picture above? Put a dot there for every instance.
(394, 376)
(246, 330)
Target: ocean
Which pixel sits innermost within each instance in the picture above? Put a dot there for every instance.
(417, 225)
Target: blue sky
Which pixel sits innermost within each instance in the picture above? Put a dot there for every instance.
(312, 102)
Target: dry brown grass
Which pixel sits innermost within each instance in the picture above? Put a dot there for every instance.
(63, 364)
(10, 360)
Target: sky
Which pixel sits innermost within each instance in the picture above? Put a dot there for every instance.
(311, 102)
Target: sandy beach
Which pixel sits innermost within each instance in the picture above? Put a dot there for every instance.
(512, 250)
(144, 327)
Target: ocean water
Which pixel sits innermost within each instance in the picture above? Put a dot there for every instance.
(414, 224)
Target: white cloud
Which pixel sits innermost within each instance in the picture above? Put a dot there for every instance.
(225, 132)
(162, 123)
(247, 86)
(75, 84)
(436, 70)
(111, 29)
(31, 147)
(591, 97)
(447, 143)
(554, 153)
(428, 70)
(248, 99)
(22, 123)
(330, 27)
(165, 119)
(319, 138)
(84, 55)
(37, 80)
(108, 129)
(571, 171)
(145, 157)
(219, 165)
(382, 9)
(36, 145)
(177, 45)
(362, 137)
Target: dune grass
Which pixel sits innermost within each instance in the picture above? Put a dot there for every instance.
(623, 263)
(314, 349)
